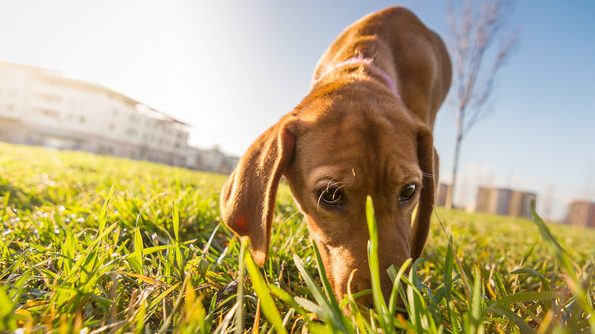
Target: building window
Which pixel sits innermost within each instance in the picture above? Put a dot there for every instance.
(47, 112)
(131, 132)
(49, 97)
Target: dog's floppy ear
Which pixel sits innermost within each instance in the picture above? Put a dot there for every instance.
(248, 196)
(428, 163)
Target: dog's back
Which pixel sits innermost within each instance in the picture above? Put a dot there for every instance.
(404, 48)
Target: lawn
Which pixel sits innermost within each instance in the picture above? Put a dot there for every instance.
(99, 244)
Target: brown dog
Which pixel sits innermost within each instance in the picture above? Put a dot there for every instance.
(364, 129)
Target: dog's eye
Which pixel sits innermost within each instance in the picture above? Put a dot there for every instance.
(407, 192)
(331, 196)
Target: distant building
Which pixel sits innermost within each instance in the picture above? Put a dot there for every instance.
(502, 201)
(213, 160)
(42, 107)
(443, 194)
(581, 213)
(520, 203)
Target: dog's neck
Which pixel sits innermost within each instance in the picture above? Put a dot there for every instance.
(362, 62)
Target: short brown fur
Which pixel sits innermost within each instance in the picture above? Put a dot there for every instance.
(352, 129)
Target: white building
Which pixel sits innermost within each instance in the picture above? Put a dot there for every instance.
(42, 107)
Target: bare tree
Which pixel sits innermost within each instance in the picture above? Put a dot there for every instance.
(480, 47)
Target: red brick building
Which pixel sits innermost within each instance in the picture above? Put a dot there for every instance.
(581, 213)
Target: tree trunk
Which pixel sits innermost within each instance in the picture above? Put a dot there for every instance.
(450, 199)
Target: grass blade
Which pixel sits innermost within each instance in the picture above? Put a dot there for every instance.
(330, 295)
(374, 263)
(240, 297)
(327, 312)
(103, 213)
(392, 309)
(267, 303)
(137, 254)
(176, 221)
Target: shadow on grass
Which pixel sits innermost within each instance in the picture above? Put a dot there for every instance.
(17, 197)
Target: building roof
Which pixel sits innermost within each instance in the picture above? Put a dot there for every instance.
(505, 189)
(57, 76)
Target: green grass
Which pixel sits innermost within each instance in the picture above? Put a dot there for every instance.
(109, 245)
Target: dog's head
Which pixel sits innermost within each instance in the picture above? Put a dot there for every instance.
(342, 143)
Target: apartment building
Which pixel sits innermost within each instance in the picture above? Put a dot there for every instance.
(212, 159)
(504, 201)
(443, 194)
(581, 213)
(43, 107)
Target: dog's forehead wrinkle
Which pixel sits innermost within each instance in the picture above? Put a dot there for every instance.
(334, 175)
(376, 151)
(390, 159)
(353, 122)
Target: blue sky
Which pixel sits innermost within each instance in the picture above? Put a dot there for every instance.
(233, 68)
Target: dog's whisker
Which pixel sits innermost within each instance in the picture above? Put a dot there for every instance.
(318, 201)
